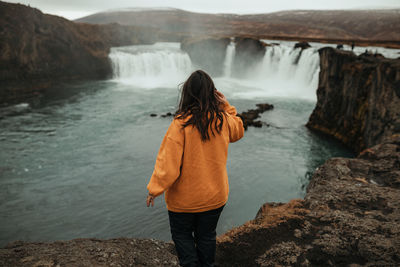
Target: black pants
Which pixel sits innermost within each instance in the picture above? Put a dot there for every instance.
(194, 236)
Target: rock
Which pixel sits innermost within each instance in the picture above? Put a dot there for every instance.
(39, 50)
(168, 114)
(264, 107)
(207, 53)
(90, 252)
(153, 115)
(358, 99)
(302, 45)
(248, 117)
(343, 220)
(248, 53)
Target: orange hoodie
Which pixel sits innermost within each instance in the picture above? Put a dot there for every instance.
(192, 172)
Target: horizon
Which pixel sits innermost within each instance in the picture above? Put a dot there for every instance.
(74, 11)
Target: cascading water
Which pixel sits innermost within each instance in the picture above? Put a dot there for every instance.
(283, 72)
(230, 53)
(150, 66)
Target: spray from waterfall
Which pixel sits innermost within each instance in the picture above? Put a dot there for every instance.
(283, 71)
(150, 66)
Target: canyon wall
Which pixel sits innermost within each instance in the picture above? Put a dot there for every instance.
(37, 49)
(358, 98)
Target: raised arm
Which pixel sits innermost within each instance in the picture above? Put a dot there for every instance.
(235, 124)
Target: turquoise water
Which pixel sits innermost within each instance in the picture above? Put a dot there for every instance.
(77, 165)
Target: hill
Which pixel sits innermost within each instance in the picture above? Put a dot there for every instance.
(365, 26)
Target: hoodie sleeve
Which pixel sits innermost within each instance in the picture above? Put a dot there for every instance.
(169, 160)
(235, 123)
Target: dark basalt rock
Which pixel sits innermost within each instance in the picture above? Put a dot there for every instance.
(248, 53)
(248, 117)
(207, 53)
(168, 114)
(302, 45)
(358, 98)
(350, 215)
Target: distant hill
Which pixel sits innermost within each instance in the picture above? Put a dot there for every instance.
(367, 25)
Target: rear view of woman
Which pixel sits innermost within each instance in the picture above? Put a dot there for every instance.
(191, 168)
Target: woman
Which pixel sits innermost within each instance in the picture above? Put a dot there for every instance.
(191, 168)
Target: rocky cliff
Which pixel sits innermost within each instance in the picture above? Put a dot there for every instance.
(350, 215)
(248, 53)
(358, 98)
(37, 49)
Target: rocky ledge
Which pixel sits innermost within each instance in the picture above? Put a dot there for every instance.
(349, 217)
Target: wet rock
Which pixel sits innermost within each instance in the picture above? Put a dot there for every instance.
(358, 100)
(249, 117)
(302, 45)
(168, 114)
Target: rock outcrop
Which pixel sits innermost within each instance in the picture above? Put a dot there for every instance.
(37, 49)
(248, 53)
(302, 45)
(358, 98)
(249, 117)
(350, 215)
(207, 53)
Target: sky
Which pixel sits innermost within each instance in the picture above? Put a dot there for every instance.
(73, 9)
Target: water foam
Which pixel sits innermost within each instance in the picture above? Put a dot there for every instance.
(150, 66)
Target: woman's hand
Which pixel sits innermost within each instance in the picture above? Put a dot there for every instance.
(150, 200)
(220, 96)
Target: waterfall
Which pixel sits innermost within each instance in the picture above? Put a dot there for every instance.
(285, 72)
(149, 66)
(230, 53)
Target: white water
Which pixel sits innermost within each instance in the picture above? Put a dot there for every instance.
(230, 54)
(283, 71)
(165, 65)
(151, 66)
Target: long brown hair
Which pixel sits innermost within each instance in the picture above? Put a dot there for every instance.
(198, 98)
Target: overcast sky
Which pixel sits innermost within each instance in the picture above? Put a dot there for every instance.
(73, 9)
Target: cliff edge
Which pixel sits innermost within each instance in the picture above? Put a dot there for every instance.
(358, 98)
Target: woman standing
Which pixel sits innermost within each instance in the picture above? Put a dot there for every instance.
(191, 168)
